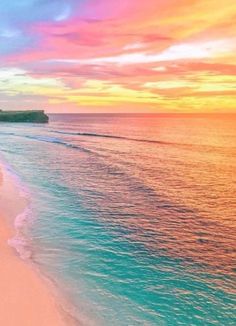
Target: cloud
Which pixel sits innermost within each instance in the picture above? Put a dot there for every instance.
(90, 52)
(17, 17)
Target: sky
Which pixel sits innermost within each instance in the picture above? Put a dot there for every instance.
(118, 56)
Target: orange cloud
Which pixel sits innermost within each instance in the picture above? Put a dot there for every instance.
(154, 55)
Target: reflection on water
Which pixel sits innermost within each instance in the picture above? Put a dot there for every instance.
(135, 214)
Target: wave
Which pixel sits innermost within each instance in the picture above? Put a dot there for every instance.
(58, 141)
(48, 140)
(200, 147)
(88, 134)
(19, 241)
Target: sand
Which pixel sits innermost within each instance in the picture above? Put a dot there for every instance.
(25, 298)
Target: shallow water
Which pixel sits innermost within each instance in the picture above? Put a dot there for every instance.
(133, 216)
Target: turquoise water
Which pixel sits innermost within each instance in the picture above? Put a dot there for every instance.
(132, 217)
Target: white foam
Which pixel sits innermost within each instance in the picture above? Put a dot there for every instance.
(19, 241)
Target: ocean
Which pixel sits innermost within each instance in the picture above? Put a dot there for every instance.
(133, 217)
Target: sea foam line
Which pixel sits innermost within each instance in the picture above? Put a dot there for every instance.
(20, 242)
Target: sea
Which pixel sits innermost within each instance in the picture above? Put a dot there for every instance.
(131, 216)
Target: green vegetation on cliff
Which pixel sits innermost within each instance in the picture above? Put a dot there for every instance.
(24, 116)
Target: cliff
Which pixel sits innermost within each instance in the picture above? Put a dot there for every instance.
(24, 116)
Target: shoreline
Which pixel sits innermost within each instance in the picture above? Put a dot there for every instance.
(26, 298)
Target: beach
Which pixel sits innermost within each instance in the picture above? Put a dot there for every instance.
(25, 298)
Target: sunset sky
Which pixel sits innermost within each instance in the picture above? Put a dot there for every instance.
(118, 56)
